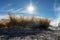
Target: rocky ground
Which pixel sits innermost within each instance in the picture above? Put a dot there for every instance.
(28, 34)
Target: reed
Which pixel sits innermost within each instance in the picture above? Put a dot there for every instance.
(21, 21)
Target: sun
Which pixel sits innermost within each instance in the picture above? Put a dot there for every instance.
(30, 9)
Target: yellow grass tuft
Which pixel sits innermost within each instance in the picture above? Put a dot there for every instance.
(23, 21)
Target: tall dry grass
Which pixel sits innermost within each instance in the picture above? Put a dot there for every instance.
(21, 21)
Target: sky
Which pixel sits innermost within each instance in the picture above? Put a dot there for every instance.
(43, 8)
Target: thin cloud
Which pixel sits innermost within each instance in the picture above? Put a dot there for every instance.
(13, 10)
(3, 17)
(19, 10)
(7, 16)
(5, 6)
(10, 10)
(56, 21)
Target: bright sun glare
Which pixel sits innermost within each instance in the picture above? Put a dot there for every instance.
(30, 9)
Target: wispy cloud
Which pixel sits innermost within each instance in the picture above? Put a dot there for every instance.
(6, 6)
(56, 21)
(7, 16)
(10, 10)
(3, 17)
(19, 10)
(13, 10)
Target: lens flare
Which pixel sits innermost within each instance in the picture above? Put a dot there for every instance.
(30, 9)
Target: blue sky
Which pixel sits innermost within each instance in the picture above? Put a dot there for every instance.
(43, 8)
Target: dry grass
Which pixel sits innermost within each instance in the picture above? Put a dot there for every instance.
(22, 22)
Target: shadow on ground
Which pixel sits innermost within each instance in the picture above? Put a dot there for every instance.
(16, 32)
